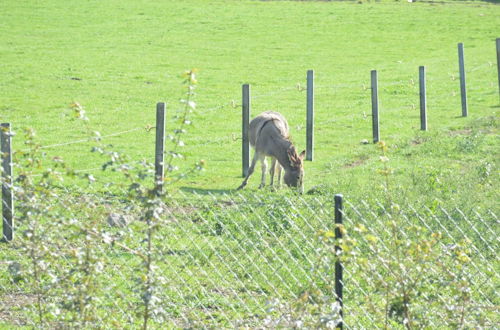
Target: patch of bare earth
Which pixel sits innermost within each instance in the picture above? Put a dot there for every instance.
(355, 163)
(10, 306)
(465, 131)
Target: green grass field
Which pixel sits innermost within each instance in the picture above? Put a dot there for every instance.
(225, 256)
(118, 58)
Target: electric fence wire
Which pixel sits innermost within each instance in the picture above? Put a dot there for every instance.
(322, 88)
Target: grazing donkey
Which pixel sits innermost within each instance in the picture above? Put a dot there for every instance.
(269, 137)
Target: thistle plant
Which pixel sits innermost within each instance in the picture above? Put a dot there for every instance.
(61, 229)
(47, 219)
(30, 209)
(408, 256)
(148, 196)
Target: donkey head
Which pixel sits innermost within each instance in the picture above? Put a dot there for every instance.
(295, 175)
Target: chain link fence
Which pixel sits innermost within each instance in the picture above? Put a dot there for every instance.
(96, 258)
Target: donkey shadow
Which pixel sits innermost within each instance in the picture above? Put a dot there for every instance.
(200, 191)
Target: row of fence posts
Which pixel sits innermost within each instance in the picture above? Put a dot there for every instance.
(422, 98)
(6, 151)
(8, 200)
(245, 113)
(375, 106)
(7, 165)
(7, 197)
(423, 93)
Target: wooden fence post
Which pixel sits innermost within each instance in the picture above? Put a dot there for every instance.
(339, 282)
(160, 146)
(423, 99)
(310, 116)
(7, 182)
(498, 63)
(463, 90)
(245, 110)
(375, 118)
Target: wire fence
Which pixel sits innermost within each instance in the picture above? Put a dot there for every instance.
(93, 258)
(292, 89)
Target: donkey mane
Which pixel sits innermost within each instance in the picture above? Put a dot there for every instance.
(295, 160)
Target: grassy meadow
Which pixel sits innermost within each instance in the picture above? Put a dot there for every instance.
(118, 58)
(223, 256)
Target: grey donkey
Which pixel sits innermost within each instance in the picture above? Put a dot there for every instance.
(268, 135)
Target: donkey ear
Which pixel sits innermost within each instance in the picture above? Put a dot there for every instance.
(302, 155)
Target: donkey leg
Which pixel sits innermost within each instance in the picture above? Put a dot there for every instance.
(279, 174)
(250, 171)
(264, 170)
(272, 171)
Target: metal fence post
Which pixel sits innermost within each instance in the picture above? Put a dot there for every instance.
(375, 119)
(7, 191)
(339, 282)
(310, 116)
(423, 99)
(498, 63)
(245, 110)
(463, 90)
(160, 146)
